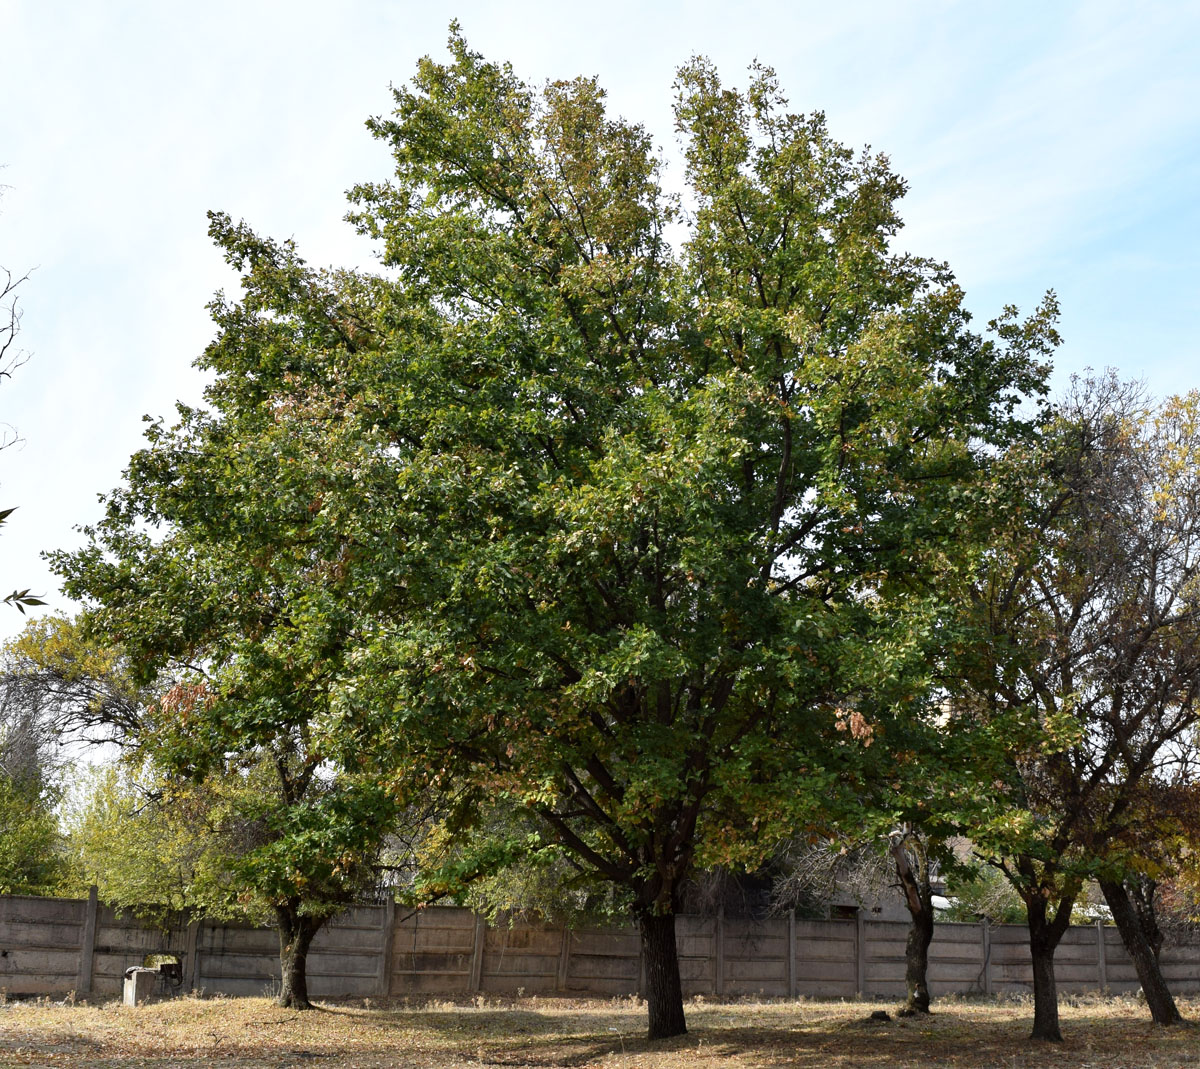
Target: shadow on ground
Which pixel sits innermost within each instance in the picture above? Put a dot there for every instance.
(566, 1035)
(547, 1040)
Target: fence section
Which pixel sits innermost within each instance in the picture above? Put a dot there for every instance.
(41, 944)
(55, 946)
(51, 946)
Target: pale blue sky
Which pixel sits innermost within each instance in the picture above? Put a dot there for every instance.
(1048, 145)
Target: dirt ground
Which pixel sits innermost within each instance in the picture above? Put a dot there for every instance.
(221, 1033)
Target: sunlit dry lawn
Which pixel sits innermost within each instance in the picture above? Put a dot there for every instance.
(191, 1033)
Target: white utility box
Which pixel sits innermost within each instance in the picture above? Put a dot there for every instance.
(139, 984)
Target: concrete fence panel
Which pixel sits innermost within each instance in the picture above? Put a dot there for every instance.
(41, 941)
(436, 951)
(602, 961)
(57, 946)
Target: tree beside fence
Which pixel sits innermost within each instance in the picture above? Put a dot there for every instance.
(57, 946)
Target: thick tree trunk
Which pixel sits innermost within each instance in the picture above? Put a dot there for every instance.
(1044, 936)
(664, 992)
(296, 934)
(1142, 946)
(1045, 992)
(918, 896)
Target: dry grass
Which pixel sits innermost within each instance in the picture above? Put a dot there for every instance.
(195, 1033)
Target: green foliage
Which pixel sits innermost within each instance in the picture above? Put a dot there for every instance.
(155, 845)
(504, 865)
(661, 514)
(224, 843)
(33, 858)
(85, 689)
(231, 627)
(1082, 688)
(647, 542)
(981, 890)
(32, 855)
(154, 842)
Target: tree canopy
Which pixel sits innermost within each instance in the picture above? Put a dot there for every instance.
(641, 539)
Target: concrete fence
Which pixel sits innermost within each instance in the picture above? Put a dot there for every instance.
(56, 946)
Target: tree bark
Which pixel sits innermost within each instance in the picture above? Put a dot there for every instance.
(1141, 893)
(916, 961)
(296, 934)
(1045, 992)
(918, 896)
(664, 992)
(1044, 937)
(1142, 945)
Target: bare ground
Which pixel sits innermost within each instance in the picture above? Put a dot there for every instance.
(221, 1033)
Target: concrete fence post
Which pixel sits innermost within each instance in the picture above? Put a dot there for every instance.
(191, 954)
(564, 958)
(387, 935)
(477, 954)
(1101, 956)
(791, 953)
(87, 943)
(719, 952)
(860, 953)
(641, 982)
(986, 928)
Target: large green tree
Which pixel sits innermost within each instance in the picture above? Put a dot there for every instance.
(552, 512)
(676, 501)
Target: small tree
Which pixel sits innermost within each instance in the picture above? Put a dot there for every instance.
(156, 845)
(84, 691)
(979, 890)
(1154, 843)
(32, 855)
(1089, 679)
(912, 855)
(204, 814)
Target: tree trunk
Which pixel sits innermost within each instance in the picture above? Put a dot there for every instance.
(1142, 946)
(918, 896)
(1141, 893)
(1045, 992)
(1044, 936)
(296, 934)
(664, 992)
(916, 962)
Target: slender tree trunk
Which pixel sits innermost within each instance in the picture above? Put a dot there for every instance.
(916, 961)
(664, 992)
(1044, 937)
(1142, 945)
(296, 934)
(918, 896)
